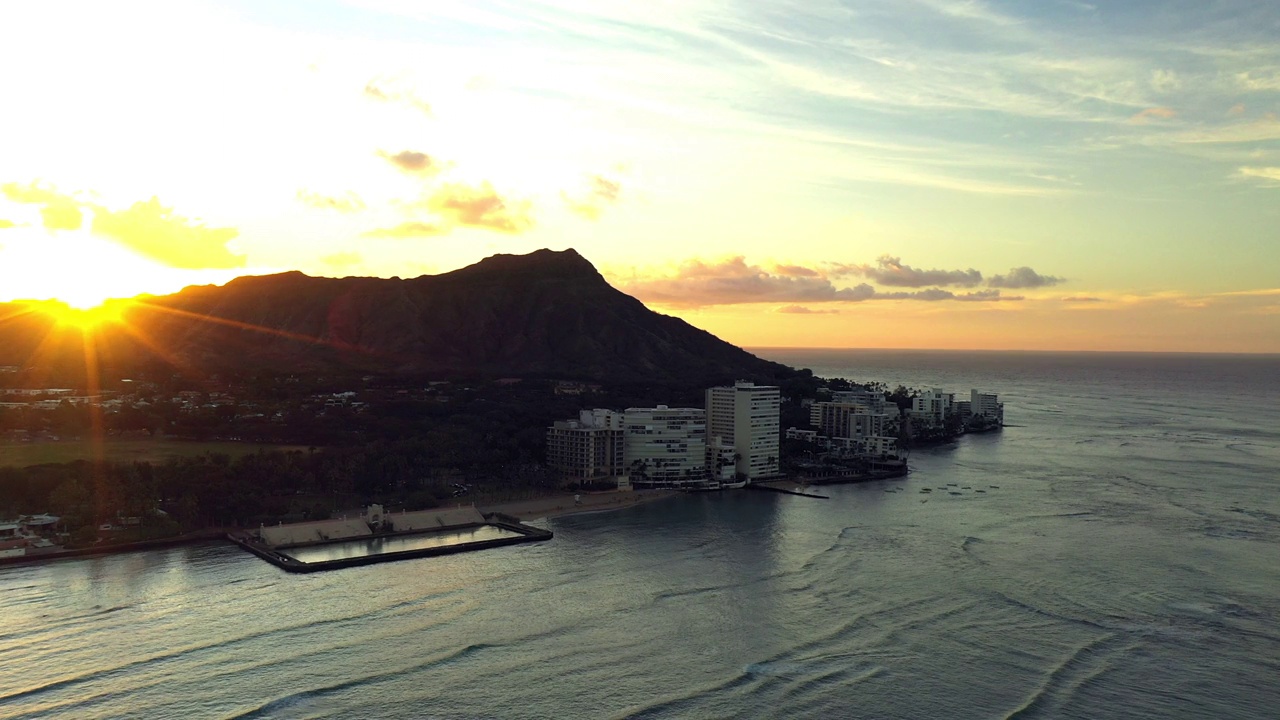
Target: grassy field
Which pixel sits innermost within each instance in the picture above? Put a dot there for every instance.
(38, 453)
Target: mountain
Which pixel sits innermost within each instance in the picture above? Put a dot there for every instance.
(545, 314)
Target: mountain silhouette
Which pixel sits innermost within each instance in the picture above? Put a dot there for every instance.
(545, 314)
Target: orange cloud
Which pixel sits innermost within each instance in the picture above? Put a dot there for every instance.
(795, 271)
(802, 310)
(479, 207)
(1153, 113)
(157, 232)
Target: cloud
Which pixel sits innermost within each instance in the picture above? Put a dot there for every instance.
(33, 194)
(480, 207)
(412, 162)
(1023, 277)
(409, 229)
(1261, 130)
(1258, 81)
(795, 271)
(601, 191)
(62, 216)
(802, 310)
(890, 271)
(984, 296)
(1237, 109)
(347, 203)
(58, 211)
(6, 224)
(1165, 81)
(733, 281)
(383, 91)
(1082, 299)
(157, 232)
(1152, 114)
(1266, 174)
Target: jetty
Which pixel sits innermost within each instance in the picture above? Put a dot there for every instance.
(780, 486)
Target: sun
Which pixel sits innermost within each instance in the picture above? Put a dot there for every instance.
(107, 312)
(84, 272)
(65, 314)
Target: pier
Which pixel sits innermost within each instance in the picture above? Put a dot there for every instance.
(773, 486)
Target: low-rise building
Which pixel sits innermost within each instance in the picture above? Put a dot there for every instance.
(987, 406)
(933, 406)
(588, 448)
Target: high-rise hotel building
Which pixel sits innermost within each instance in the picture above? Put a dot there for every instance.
(746, 415)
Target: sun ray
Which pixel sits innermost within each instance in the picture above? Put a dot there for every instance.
(239, 325)
(97, 433)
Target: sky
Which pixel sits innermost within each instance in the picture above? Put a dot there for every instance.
(1050, 175)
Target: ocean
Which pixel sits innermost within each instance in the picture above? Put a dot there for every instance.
(1113, 553)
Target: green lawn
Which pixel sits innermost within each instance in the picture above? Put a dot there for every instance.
(38, 453)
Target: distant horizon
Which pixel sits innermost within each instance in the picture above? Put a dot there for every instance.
(753, 348)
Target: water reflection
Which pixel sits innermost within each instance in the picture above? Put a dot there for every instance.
(401, 543)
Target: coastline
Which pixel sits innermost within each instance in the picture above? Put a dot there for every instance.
(191, 538)
(539, 508)
(561, 505)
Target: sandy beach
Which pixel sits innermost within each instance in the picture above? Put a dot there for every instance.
(565, 504)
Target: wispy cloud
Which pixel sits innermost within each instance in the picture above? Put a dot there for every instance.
(58, 211)
(146, 227)
(1153, 114)
(348, 202)
(412, 162)
(481, 207)
(600, 192)
(1269, 175)
(891, 271)
(160, 233)
(733, 281)
(385, 90)
(802, 310)
(409, 229)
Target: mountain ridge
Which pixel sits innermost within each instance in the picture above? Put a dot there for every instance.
(543, 314)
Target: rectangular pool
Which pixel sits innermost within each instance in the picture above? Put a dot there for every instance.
(365, 547)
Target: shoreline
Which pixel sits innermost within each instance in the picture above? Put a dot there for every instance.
(192, 538)
(539, 508)
(561, 505)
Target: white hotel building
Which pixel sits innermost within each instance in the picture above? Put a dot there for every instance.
(665, 447)
(746, 415)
